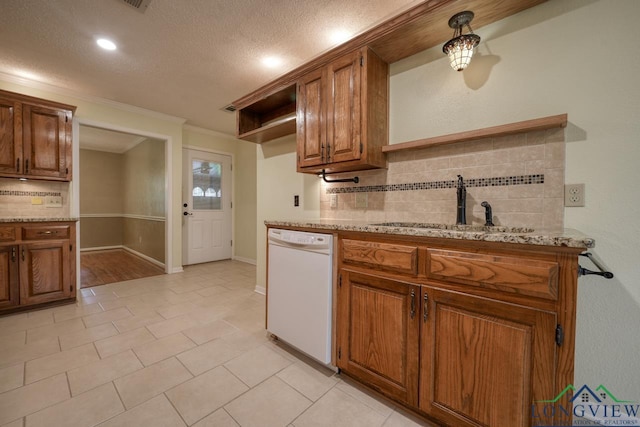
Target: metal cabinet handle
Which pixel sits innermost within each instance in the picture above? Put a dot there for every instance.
(47, 232)
(26, 166)
(22, 254)
(328, 152)
(18, 164)
(413, 303)
(425, 307)
(13, 254)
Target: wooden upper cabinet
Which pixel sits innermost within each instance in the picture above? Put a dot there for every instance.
(46, 139)
(311, 139)
(36, 138)
(483, 362)
(342, 119)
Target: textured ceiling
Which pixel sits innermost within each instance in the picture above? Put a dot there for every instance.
(185, 58)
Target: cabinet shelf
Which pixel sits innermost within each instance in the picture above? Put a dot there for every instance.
(543, 123)
(269, 118)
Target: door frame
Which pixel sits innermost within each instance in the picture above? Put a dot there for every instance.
(233, 191)
(168, 184)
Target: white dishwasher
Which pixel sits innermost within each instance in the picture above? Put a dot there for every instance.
(299, 293)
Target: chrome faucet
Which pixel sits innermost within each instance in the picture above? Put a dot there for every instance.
(461, 217)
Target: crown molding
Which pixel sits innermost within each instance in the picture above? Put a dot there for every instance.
(210, 132)
(10, 78)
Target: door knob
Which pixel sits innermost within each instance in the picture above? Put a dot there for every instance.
(187, 213)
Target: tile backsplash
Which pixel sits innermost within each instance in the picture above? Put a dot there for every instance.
(521, 176)
(16, 198)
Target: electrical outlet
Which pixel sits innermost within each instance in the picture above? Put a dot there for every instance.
(362, 200)
(53, 201)
(296, 200)
(574, 195)
(333, 201)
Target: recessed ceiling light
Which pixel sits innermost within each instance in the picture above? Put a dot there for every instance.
(271, 61)
(106, 44)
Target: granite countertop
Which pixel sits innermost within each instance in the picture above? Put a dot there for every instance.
(521, 235)
(38, 219)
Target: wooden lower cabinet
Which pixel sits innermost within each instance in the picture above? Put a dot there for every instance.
(37, 264)
(482, 361)
(44, 272)
(467, 334)
(9, 286)
(379, 332)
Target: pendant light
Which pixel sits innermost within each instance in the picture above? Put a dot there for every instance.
(460, 47)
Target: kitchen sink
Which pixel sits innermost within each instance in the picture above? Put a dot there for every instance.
(455, 227)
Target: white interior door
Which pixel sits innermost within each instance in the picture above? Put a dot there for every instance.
(206, 207)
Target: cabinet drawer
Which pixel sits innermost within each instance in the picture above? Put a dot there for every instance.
(45, 232)
(513, 274)
(382, 256)
(7, 233)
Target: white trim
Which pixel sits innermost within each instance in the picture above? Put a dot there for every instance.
(242, 259)
(115, 215)
(168, 145)
(101, 248)
(145, 257)
(177, 270)
(260, 290)
(208, 150)
(210, 132)
(90, 98)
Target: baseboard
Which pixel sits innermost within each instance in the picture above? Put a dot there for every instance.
(145, 257)
(101, 248)
(177, 270)
(260, 290)
(247, 260)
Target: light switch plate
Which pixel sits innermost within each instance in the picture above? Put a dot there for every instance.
(36, 200)
(574, 195)
(333, 201)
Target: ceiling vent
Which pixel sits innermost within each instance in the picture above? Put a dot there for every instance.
(140, 5)
(229, 108)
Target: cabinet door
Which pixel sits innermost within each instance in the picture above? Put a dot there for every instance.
(10, 137)
(310, 119)
(484, 362)
(344, 108)
(378, 332)
(45, 272)
(9, 292)
(46, 141)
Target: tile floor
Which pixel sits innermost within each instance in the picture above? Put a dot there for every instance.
(173, 350)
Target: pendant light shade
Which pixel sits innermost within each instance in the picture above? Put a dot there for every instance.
(460, 47)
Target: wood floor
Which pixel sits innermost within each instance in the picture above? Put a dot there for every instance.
(103, 267)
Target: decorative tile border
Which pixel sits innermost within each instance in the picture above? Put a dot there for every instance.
(432, 185)
(29, 193)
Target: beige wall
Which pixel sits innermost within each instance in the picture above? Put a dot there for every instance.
(115, 187)
(143, 179)
(101, 184)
